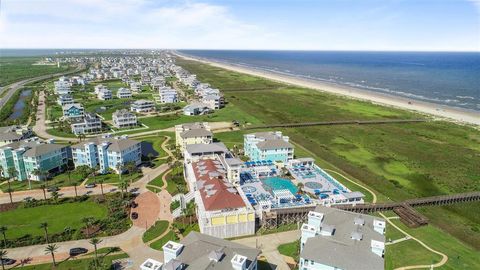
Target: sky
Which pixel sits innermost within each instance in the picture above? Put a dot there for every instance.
(398, 25)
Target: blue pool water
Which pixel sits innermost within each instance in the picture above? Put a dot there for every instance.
(276, 183)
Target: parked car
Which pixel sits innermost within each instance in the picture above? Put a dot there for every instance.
(7, 261)
(134, 215)
(52, 189)
(92, 185)
(77, 251)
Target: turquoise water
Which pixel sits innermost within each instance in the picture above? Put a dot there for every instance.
(276, 183)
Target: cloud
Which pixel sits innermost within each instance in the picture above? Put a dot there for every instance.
(125, 23)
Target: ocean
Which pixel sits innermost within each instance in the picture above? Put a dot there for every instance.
(447, 78)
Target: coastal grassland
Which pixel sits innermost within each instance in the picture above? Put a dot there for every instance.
(23, 221)
(397, 161)
(19, 68)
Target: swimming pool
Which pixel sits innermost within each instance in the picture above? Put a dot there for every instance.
(276, 183)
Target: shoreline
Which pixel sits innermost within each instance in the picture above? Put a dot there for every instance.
(452, 114)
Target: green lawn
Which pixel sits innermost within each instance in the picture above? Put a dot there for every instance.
(290, 249)
(19, 68)
(155, 231)
(60, 180)
(75, 264)
(22, 221)
(170, 236)
(397, 161)
(113, 178)
(158, 182)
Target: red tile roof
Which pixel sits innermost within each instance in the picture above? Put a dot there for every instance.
(217, 193)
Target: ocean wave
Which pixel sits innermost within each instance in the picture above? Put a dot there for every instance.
(465, 97)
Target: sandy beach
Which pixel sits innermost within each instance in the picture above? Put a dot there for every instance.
(439, 111)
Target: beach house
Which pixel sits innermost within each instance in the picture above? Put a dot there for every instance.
(124, 93)
(65, 99)
(167, 95)
(192, 133)
(14, 133)
(123, 118)
(62, 86)
(90, 123)
(337, 239)
(268, 146)
(107, 152)
(73, 110)
(104, 94)
(142, 106)
(31, 155)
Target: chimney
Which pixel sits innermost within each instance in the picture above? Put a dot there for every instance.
(379, 226)
(171, 250)
(378, 247)
(239, 262)
(315, 219)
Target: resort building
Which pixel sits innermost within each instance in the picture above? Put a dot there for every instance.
(62, 86)
(192, 133)
(65, 99)
(99, 88)
(142, 106)
(15, 133)
(32, 155)
(104, 94)
(123, 118)
(74, 110)
(195, 152)
(124, 93)
(198, 251)
(167, 95)
(337, 239)
(107, 152)
(268, 146)
(90, 123)
(222, 208)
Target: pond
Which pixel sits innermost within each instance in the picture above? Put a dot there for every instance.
(20, 105)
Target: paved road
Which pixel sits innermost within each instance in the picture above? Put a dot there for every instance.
(12, 88)
(269, 244)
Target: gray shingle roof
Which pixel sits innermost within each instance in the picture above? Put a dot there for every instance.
(198, 247)
(340, 250)
(200, 132)
(203, 148)
(273, 144)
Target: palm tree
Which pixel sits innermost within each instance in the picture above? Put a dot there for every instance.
(54, 195)
(88, 222)
(150, 157)
(120, 170)
(42, 186)
(95, 241)
(124, 186)
(3, 255)
(75, 184)
(44, 226)
(3, 231)
(52, 248)
(9, 190)
(12, 172)
(100, 181)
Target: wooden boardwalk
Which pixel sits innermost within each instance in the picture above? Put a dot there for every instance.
(333, 123)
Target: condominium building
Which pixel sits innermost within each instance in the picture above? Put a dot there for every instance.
(124, 93)
(192, 133)
(268, 146)
(142, 106)
(107, 152)
(90, 123)
(136, 87)
(15, 133)
(31, 155)
(73, 110)
(198, 251)
(337, 239)
(167, 95)
(123, 118)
